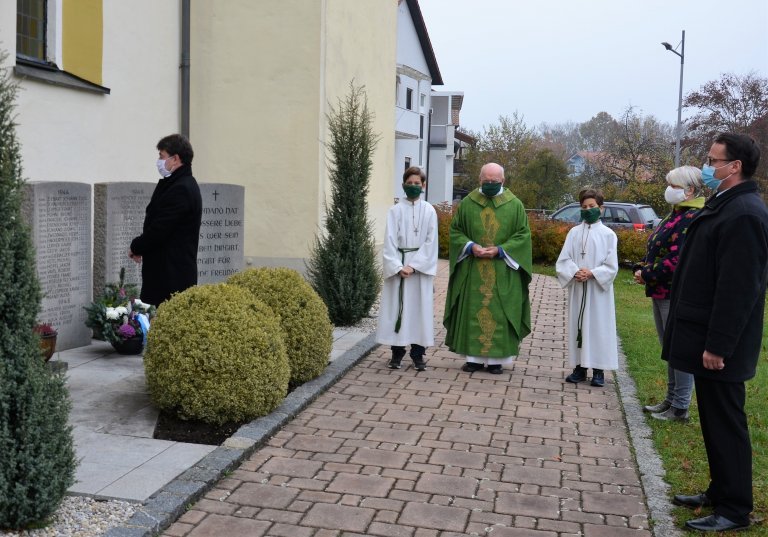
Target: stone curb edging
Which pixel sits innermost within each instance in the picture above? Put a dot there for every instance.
(171, 501)
(649, 464)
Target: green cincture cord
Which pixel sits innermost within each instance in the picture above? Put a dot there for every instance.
(399, 321)
(580, 322)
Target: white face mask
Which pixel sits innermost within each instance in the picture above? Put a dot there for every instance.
(674, 195)
(161, 168)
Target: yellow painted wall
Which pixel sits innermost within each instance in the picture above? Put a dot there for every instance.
(82, 38)
(262, 76)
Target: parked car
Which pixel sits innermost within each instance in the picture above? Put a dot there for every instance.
(616, 214)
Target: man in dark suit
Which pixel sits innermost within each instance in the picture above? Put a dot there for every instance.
(167, 246)
(715, 324)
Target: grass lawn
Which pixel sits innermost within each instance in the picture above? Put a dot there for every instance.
(680, 445)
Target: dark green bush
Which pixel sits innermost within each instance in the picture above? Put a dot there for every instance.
(303, 317)
(216, 353)
(445, 212)
(37, 456)
(342, 266)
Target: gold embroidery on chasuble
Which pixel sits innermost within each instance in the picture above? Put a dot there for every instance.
(488, 277)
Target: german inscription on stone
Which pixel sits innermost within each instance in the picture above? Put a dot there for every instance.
(118, 211)
(220, 250)
(59, 214)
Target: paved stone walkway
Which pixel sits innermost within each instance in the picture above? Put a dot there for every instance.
(442, 452)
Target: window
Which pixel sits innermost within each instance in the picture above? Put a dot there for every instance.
(397, 90)
(31, 27)
(409, 98)
(421, 127)
(620, 215)
(422, 100)
(407, 163)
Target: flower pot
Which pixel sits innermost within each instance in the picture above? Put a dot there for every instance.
(48, 345)
(133, 345)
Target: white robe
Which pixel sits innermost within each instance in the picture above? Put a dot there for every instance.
(417, 324)
(599, 348)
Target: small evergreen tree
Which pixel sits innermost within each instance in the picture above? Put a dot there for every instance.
(342, 267)
(37, 459)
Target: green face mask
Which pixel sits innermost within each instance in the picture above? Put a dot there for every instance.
(490, 189)
(412, 191)
(590, 216)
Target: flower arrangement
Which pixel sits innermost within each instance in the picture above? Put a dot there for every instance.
(118, 314)
(45, 330)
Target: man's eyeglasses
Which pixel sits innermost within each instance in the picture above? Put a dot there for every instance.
(710, 160)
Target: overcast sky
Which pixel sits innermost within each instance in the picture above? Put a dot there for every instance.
(559, 60)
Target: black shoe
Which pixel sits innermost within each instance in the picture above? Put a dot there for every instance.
(471, 367)
(579, 375)
(659, 408)
(419, 363)
(714, 523)
(395, 362)
(495, 369)
(598, 378)
(694, 502)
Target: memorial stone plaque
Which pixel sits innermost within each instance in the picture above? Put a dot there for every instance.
(118, 213)
(220, 250)
(59, 214)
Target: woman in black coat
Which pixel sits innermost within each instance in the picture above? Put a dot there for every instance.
(167, 246)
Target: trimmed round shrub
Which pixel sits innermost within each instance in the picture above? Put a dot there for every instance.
(216, 353)
(303, 317)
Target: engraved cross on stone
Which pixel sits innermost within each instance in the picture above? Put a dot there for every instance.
(215, 195)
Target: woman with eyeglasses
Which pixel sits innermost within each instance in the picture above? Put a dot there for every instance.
(684, 194)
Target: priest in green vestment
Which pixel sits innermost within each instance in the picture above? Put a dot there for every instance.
(487, 311)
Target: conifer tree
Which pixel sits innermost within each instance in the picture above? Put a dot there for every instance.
(37, 460)
(342, 267)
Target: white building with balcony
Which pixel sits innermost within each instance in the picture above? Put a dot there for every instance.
(417, 72)
(443, 144)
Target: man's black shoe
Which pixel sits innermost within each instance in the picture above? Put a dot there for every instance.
(598, 378)
(579, 375)
(495, 369)
(694, 502)
(714, 523)
(471, 367)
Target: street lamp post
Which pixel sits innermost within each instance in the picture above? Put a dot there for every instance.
(680, 97)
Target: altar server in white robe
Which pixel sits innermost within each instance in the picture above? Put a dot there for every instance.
(406, 314)
(587, 266)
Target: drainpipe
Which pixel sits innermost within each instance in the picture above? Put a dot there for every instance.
(429, 136)
(185, 24)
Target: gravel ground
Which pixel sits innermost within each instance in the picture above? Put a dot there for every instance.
(78, 516)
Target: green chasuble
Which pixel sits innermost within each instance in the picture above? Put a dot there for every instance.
(487, 312)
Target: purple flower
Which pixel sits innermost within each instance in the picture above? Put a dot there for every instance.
(121, 293)
(126, 331)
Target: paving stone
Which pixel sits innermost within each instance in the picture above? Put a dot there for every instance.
(379, 457)
(592, 530)
(424, 515)
(217, 526)
(338, 517)
(291, 467)
(447, 485)
(458, 458)
(314, 443)
(260, 495)
(363, 485)
(530, 474)
(614, 504)
(527, 505)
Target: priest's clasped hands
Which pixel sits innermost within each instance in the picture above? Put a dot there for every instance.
(490, 252)
(583, 275)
